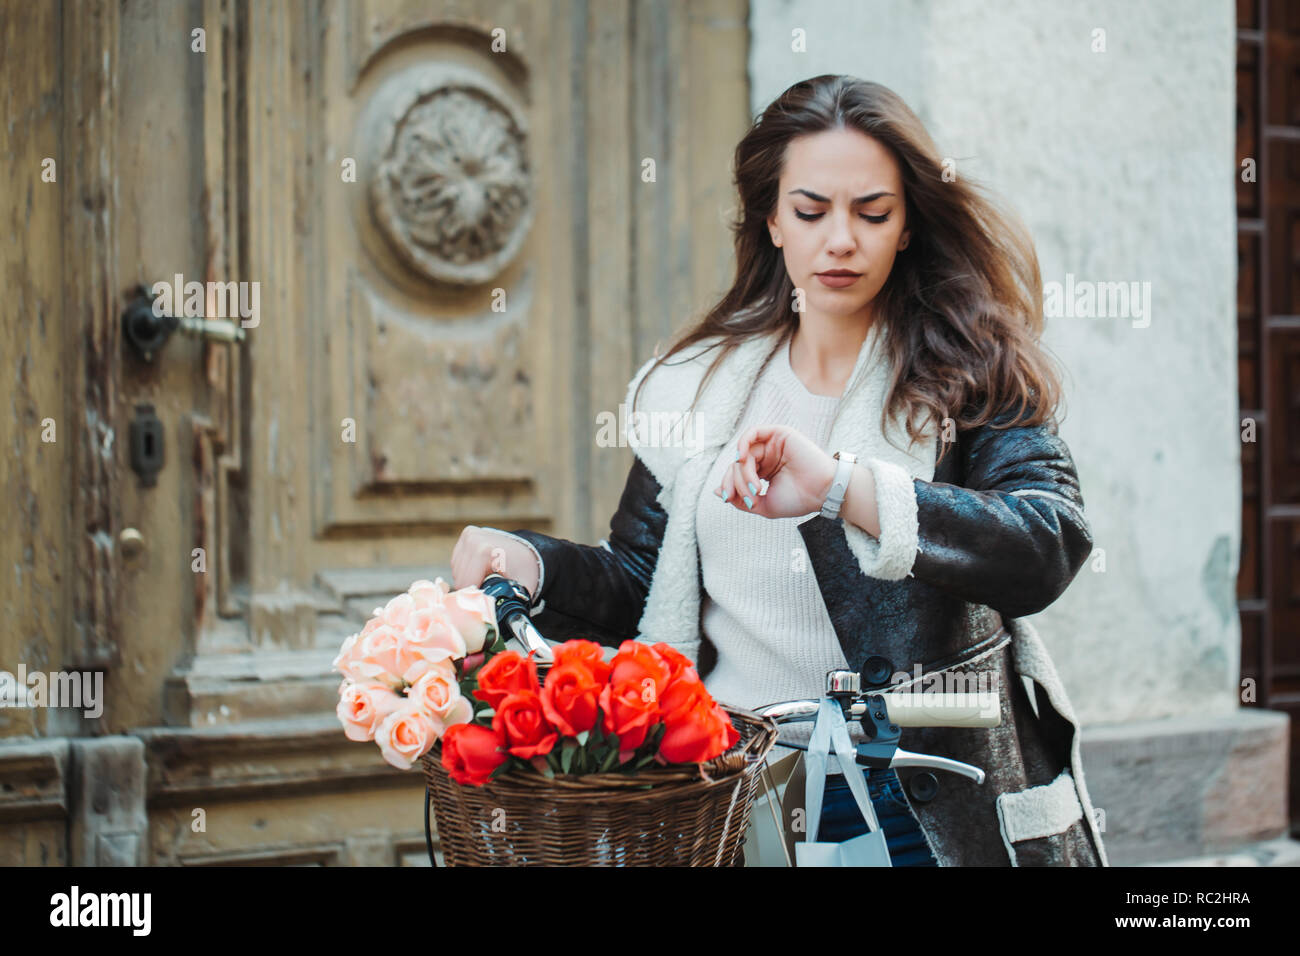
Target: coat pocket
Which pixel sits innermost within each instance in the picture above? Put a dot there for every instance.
(1045, 825)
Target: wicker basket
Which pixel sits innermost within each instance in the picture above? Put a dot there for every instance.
(684, 815)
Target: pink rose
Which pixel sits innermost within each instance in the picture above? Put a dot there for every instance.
(405, 735)
(345, 652)
(428, 639)
(397, 611)
(438, 694)
(348, 653)
(376, 656)
(428, 593)
(362, 707)
(473, 613)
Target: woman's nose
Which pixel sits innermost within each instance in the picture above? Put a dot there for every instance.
(841, 236)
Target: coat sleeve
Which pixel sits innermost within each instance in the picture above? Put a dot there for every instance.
(598, 592)
(1012, 536)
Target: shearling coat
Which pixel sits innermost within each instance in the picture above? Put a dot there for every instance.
(994, 533)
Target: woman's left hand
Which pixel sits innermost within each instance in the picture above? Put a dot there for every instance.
(799, 474)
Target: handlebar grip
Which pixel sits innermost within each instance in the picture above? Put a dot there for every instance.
(932, 709)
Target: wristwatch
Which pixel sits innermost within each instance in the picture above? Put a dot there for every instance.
(840, 485)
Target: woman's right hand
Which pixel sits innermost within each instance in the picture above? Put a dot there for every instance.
(480, 552)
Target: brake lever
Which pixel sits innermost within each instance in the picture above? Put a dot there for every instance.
(512, 602)
(905, 758)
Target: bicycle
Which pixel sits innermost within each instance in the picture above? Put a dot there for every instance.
(881, 715)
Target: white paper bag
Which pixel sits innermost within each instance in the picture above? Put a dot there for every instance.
(768, 816)
(867, 849)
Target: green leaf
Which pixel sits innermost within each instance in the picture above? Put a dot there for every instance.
(609, 760)
(566, 759)
(638, 764)
(582, 737)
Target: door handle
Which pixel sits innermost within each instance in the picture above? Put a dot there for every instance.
(148, 332)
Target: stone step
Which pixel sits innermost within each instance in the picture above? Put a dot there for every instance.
(1283, 851)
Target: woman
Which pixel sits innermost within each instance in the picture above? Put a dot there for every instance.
(882, 309)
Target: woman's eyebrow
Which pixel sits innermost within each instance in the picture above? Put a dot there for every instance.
(857, 202)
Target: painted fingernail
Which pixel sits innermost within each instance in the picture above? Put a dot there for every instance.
(737, 456)
(752, 489)
(726, 495)
(749, 504)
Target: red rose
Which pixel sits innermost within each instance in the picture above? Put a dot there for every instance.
(588, 653)
(682, 692)
(678, 663)
(470, 752)
(639, 664)
(507, 673)
(631, 709)
(522, 722)
(571, 697)
(696, 731)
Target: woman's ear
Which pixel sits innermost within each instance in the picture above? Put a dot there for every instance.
(907, 237)
(773, 231)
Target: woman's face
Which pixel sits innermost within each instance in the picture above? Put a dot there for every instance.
(821, 225)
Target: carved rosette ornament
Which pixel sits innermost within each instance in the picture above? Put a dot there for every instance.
(451, 190)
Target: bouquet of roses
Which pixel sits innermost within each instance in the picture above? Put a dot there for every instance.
(406, 674)
(432, 666)
(591, 715)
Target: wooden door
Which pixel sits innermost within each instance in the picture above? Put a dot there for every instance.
(1268, 323)
(443, 216)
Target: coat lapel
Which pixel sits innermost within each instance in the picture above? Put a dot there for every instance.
(678, 453)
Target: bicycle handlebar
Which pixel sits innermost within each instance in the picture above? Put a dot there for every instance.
(882, 713)
(906, 709)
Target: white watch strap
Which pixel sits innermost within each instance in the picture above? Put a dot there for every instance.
(839, 486)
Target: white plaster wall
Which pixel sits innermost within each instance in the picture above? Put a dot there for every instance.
(1122, 165)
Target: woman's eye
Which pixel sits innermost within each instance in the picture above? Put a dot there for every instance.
(813, 217)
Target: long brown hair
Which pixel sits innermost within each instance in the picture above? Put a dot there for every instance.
(962, 310)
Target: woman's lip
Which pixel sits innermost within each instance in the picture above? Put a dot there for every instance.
(837, 282)
(839, 273)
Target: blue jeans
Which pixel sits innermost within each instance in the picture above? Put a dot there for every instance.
(841, 818)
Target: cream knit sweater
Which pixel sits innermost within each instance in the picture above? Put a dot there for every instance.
(762, 608)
